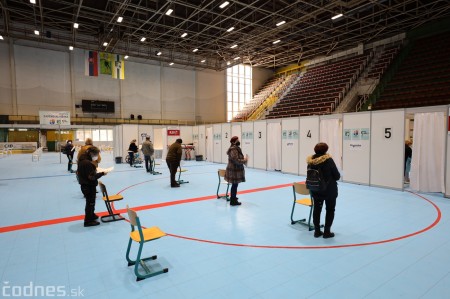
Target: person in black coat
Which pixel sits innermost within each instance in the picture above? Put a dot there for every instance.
(88, 180)
(69, 149)
(132, 149)
(330, 174)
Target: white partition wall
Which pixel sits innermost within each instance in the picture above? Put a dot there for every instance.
(217, 143)
(260, 144)
(164, 142)
(247, 142)
(186, 134)
(309, 137)
(356, 148)
(195, 140)
(201, 141)
(274, 144)
(129, 132)
(289, 145)
(118, 150)
(447, 175)
(387, 148)
(209, 144)
(331, 134)
(226, 136)
(236, 130)
(144, 131)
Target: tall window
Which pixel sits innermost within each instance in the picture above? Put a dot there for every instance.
(239, 88)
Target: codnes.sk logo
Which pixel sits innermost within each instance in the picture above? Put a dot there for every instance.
(32, 290)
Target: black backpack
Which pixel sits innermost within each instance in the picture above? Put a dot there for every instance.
(314, 179)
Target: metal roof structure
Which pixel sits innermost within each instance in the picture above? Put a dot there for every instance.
(207, 34)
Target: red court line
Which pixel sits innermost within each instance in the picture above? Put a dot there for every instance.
(11, 228)
(436, 221)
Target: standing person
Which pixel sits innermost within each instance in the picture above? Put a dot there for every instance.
(235, 172)
(148, 151)
(88, 143)
(70, 150)
(408, 157)
(173, 159)
(132, 149)
(87, 178)
(330, 174)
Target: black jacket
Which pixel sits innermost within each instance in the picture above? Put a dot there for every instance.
(87, 171)
(328, 169)
(133, 148)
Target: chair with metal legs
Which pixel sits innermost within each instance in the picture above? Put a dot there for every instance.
(300, 188)
(221, 174)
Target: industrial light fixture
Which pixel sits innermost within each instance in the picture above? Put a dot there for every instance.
(143, 39)
(230, 29)
(171, 63)
(36, 32)
(184, 34)
(1, 37)
(224, 4)
(33, 1)
(228, 63)
(276, 42)
(105, 44)
(337, 16)
(126, 57)
(158, 53)
(71, 48)
(236, 58)
(195, 50)
(119, 19)
(233, 46)
(280, 23)
(203, 61)
(169, 11)
(75, 25)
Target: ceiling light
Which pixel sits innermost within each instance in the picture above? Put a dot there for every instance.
(75, 25)
(230, 29)
(119, 19)
(276, 42)
(233, 46)
(1, 37)
(184, 34)
(337, 16)
(105, 44)
(33, 1)
(228, 63)
(281, 23)
(236, 58)
(143, 39)
(70, 48)
(171, 63)
(169, 11)
(126, 57)
(158, 54)
(195, 50)
(36, 32)
(224, 4)
(203, 61)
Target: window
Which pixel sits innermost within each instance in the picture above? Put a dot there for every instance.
(239, 88)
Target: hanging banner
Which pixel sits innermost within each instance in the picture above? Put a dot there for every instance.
(54, 118)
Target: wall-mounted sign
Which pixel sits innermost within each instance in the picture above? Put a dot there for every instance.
(54, 118)
(173, 132)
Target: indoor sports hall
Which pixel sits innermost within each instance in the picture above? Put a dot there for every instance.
(271, 79)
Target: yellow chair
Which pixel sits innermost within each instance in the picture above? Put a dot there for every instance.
(108, 200)
(300, 188)
(180, 181)
(221, 174)
(141, 236)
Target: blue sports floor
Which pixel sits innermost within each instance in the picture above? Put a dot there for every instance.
(388, 244)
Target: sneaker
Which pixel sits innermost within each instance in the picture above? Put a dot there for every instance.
(91, 223)
(327, 235)
(235, 203)
(175, 186)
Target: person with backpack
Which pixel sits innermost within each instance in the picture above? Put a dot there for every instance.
(235, 172)
(321, 180)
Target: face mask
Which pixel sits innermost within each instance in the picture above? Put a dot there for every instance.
(94, 158)
(69, 142)
(238, 143)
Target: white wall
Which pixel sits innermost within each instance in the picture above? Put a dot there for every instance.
(55, 80)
